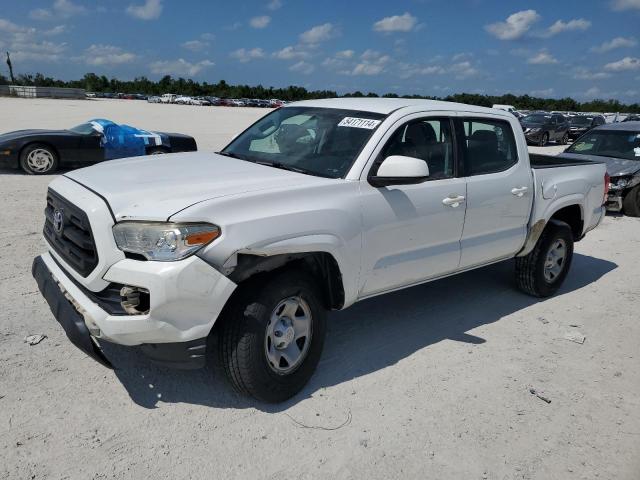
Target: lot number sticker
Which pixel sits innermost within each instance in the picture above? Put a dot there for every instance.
(359, 123)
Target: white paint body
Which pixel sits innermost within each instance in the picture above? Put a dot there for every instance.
(382, 239)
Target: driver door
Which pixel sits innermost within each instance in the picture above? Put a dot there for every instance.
(90, 149)
(412, 232)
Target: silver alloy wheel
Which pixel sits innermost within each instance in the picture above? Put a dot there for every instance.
(554, 263)
(288, 335)
(40, 160)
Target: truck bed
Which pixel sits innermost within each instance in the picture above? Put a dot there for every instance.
(539, 160)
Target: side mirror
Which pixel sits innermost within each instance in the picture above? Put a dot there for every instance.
(400, 170)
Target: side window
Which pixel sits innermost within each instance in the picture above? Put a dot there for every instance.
(488, 146)
(429, 140)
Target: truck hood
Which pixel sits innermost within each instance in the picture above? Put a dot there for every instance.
(616, 167)
(156, 187)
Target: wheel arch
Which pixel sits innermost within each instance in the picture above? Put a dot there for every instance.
(322, 265)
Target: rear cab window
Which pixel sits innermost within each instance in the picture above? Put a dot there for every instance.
(487, 146)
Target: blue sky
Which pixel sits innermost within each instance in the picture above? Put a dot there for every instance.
(553, 48)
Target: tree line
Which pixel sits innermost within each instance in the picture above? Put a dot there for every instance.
(168, 84)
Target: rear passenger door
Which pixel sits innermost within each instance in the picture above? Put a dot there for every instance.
(499, 190)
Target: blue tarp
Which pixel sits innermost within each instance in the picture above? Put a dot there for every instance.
(121, 141)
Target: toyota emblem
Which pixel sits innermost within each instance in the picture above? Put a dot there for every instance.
(58, 221)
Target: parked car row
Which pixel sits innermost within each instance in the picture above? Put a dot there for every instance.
(216, 101)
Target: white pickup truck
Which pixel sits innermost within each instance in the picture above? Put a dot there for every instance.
(316, 206)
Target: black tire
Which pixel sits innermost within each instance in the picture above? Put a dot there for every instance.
(29, 167)
(544, 139)
(565, 139)
(530, 269)
(156, 151)
(631, 202)
(243, 336)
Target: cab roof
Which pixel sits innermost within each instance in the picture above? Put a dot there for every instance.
(387, 105)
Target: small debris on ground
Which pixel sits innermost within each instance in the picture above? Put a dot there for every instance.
(543, 320)
(34, 339)
(533, 391)
(576, 337)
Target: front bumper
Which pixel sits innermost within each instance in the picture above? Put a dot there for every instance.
(186, 298)
(614, 202)
(533, 137)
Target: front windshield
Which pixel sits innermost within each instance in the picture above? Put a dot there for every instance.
(609, 143)
(316, 141)
(580, 121)
(83, 129)
(536, 118)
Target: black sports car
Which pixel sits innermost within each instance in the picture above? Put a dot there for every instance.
(40, 152)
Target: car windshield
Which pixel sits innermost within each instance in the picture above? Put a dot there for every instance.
(537, 118)
(83, 129)
(609, 143)
(316, 141)
(580, 121)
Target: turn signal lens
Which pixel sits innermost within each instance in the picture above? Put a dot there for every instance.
(202, 237)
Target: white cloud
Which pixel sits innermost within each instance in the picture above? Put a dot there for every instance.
(59, 9)
(149, 10)
(101, 55)
(57, 30)
(396, 23)
(290, 53)
(274, 5)
(463, 70)
(179, 67)
(627, 63)
(302, 67)
(195, 45)
(373, 63)
(346, 54)
(592, 92)
(618, 42)
(7, 26)
(547, 92)
(571, 25)
(245, 55)
(542, 58)
(40, 14)
(515, 26)
(260, 22)
(37, 51)
(319, 33)
(620, 5)
(582, 73)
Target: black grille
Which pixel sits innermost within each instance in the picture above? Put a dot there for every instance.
(74, 240)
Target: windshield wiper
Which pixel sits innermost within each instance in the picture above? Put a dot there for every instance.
(282, 166)
(231, 155)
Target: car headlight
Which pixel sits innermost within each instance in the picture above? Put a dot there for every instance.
(164, 242)
(623, 182)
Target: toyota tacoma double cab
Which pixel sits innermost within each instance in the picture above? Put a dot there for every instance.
(316, 206)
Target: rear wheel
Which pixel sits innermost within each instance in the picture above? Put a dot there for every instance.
(272, 336)
(542, 271)
(631, 202)
(38, 159)
(544, 139)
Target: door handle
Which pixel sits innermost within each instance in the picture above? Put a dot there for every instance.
(519, 191)
(452, 201)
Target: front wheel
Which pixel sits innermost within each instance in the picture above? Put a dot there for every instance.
(38, 159)
(542, 271)
(631, 202)
(543, 140)
(272, 335)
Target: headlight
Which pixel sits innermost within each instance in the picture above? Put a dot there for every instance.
(164, 242)
(623, 182)
(534, 130)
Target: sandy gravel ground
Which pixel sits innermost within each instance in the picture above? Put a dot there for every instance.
(430, 382)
